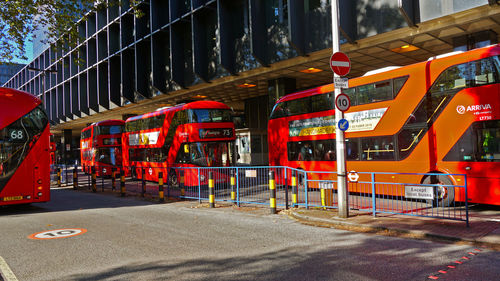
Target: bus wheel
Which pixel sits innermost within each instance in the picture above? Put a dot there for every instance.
(444, 196)
(172, 179)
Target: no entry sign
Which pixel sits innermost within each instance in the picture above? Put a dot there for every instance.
(340, 63)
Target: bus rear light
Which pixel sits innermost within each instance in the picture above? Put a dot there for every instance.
(39, 194)
(39, 182)
(40, 187)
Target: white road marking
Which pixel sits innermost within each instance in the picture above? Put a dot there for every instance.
(5, 271)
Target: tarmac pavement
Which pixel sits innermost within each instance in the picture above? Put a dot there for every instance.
(483, 230)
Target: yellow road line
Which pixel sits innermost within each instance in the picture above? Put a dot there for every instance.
(5, 271)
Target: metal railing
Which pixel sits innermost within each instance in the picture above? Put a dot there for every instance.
(410, 194)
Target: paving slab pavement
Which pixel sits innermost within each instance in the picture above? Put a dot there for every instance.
(482, 231)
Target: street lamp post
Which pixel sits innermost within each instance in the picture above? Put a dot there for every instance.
(339, 135)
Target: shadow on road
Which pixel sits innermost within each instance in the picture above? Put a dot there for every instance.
(70, 200)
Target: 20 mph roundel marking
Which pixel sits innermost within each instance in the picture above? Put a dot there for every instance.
(57, 233)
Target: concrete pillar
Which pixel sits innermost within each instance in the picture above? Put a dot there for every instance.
(280, 87)
(67, 146)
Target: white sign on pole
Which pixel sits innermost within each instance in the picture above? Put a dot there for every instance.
(340, 63)
(342, 102)
(340, 82)
(353, 176)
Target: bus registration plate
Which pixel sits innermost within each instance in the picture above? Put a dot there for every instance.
(12, 198)
(419, 192)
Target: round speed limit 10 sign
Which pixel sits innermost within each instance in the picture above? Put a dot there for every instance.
(342, 102)
(57, 233)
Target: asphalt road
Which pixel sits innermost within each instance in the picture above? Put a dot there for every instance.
(132, 239)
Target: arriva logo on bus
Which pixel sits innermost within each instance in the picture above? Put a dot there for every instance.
(478, 107)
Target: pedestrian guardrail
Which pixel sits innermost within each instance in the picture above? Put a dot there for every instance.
(411, 194)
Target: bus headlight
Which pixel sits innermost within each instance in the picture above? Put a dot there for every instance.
(28, 197)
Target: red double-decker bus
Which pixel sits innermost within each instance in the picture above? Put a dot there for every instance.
(196, 134)
(438, 116)
(100, 147)
(52, 150)
(24, 149)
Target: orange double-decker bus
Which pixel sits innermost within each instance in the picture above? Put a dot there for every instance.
(438, 116)
(196, 134)
(100, 147)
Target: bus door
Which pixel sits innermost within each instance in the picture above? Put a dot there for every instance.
(37, 180)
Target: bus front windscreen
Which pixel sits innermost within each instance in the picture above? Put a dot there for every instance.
(109, 155)
(17, 139)
(209, 115)
(206, 154)
(109, 130)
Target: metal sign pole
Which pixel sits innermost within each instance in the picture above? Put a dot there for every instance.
(339, 134)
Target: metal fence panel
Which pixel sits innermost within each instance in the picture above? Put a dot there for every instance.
(390, 193)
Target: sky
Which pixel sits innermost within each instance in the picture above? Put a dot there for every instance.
(29, 54)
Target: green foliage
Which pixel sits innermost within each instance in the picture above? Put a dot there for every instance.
(20, 18)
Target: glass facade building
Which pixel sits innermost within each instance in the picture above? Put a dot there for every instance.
(177, 45)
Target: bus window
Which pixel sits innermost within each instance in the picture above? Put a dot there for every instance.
(378, 148)
(488, 142)
(108, 130)
(323, 102)
(398, 84)
(206, 154)
(209, 115)
(299, 106)
(374, 92)
(351, 92)
(16, 139)
(479, 143)
(483, 72)
(352, 149)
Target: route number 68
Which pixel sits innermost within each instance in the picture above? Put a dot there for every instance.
(16, 135)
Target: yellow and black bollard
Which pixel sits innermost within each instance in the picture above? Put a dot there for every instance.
(233, 187)
(160, 187)
(323, 198)
(94, 179)
(183, 189)
(294, 189)
(75, 178)
(59, 178)
(272, 193)
(211, 185)
(122, 182)
(113, 178)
